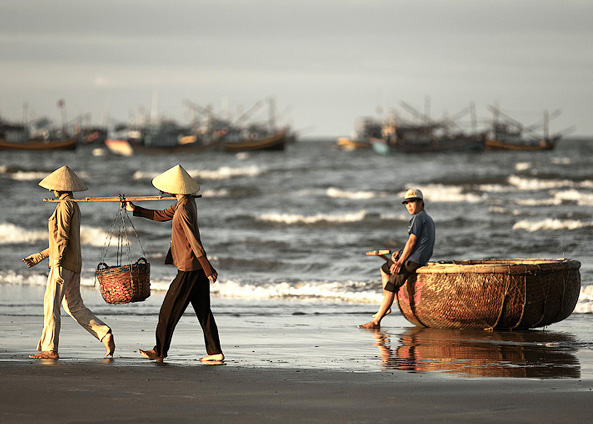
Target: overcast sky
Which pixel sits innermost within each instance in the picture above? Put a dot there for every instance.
(326, 63)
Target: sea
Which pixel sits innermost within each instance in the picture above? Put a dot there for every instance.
(291, 228)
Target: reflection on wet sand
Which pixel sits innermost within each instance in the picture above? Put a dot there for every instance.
(475, 353)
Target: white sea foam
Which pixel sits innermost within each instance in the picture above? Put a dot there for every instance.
(91, 236)
(222, 173)
(32, 175)
(216, 193)
(535, 184)
(550, 224)
(354, 195)
(13, 234)
(291, 219)
(438, 193)
(492, 188)
(585, 303)
(561, 161)
(522, 166)
(356, 292)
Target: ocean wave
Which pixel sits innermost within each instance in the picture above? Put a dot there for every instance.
(550, 224)
(222, 173)
(349, 292)
(292, 219)
(439, 193)
(354, 195)
(26, 175)
(216, 193)
(536, 184)
(585, 303)
(523, 166)
(13, 234)
(364, 292)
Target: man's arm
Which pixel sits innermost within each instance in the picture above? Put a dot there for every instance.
(196, 246)
(408, 249)
(154, 215)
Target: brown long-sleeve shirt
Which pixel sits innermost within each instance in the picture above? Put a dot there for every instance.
(186, 246)
(64, 236)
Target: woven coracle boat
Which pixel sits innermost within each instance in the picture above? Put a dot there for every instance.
(491, 294)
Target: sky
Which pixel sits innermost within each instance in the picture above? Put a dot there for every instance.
(325, 63)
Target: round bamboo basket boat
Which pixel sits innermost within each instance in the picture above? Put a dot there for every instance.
(491, 294)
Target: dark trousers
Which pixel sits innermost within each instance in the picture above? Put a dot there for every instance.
(188, 286)
(399, 279)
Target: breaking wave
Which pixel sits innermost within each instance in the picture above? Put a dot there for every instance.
(291, 219)
(550, 224)
(222, 173)
(13, 234)
(354, 195)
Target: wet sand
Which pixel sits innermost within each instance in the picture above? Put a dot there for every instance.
(116, 392)
(293, 371)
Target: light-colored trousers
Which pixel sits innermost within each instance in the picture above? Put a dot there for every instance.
(68, 293)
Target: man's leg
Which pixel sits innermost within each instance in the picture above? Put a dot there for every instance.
(173, 307)
(50, 336)
(200, 301)
(75, 307)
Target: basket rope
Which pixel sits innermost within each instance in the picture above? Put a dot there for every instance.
(123, 241)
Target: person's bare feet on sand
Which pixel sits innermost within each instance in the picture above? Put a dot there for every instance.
(150, 354)
(217, 358)
(370, 325)
(109, 343)
(46, 354)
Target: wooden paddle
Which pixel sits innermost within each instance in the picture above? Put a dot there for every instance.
(381, 252)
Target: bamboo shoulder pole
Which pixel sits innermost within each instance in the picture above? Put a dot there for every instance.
(121, 198)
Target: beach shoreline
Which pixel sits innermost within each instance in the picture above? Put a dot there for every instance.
(294, 368)
(119, 391)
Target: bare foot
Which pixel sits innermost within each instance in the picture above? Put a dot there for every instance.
(109, 343)
(46, 354)
(216, 358)
(150, 354)
(370, 325)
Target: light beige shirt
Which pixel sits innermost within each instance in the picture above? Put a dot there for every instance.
(64, 236)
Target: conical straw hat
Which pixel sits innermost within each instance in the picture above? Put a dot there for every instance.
(63, 179)
(176, 181)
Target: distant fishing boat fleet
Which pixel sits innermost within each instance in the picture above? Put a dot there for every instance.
(207, 131)
(422, 134)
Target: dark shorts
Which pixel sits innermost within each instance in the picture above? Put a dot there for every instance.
(398, 280)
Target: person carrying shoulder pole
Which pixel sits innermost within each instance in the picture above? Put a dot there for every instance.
(403, 263)
(65, 263)
(191, 285)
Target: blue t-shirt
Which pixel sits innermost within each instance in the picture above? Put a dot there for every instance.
(422, 226)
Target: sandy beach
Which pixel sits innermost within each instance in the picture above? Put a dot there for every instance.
(296, 367)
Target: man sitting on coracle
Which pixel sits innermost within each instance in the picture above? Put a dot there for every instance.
(416, 253)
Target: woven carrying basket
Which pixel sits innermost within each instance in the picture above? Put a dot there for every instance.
(125, 283)
(491, 294)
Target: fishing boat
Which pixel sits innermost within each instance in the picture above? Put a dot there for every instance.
(423, 135)
(165, 137)
(17, 137)
(275, 141)
(348, 144)
(426, 140)
(39, 145)
(493, 294)
(509, 134)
